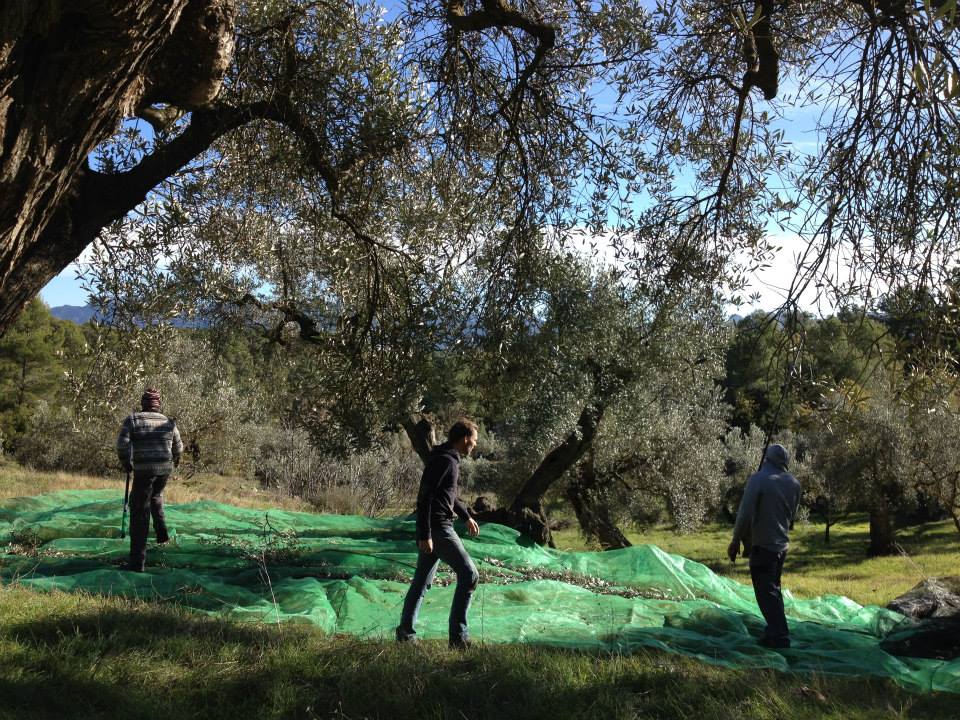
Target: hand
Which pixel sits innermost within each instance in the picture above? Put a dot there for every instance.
(472, 527)
(425, 546)
(733, 549)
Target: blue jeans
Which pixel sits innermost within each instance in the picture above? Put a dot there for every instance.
(448, 547)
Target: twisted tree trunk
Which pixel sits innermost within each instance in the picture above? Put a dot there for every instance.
(586, 495)
(421, 435)
(70, 71)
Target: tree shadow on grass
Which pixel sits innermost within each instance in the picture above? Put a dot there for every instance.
(116, 663)
(150, 661)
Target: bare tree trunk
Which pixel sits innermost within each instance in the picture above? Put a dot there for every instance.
(421, 435)
(527, 508)
(21, 396)
(593, 512)
(69, 73)
(828, 522)
(951, 503)
(526, 513)
(563, 457)
(881, 529)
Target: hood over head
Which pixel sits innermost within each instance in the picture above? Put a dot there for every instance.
(777, 456)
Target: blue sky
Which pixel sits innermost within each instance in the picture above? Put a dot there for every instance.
(64, 289)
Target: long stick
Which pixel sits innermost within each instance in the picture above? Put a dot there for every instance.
(784, 389)
(126, 500)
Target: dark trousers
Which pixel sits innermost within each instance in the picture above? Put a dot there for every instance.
(766, 567)
(146, 499)
(448, 547)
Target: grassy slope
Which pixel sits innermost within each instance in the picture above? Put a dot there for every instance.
(86, 656)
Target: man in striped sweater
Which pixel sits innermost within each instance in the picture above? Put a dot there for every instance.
(149, 444)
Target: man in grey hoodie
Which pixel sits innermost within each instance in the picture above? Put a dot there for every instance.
(767, 512)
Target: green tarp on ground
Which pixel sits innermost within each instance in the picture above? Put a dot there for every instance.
(348, 574)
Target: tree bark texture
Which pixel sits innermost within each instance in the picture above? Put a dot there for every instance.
(593, 513)
(563, 457)
(526, 513)
(421, 436)
(70, 72)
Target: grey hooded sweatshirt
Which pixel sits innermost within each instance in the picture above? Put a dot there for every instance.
(769, 504)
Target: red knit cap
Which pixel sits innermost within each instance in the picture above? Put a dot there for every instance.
(150, 400)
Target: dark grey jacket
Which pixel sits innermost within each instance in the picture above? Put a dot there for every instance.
(769, 504)
(437, 501)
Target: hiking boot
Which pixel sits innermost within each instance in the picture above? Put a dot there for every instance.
(460, 643)
(132, 567)
(406, 637)
(775, 643)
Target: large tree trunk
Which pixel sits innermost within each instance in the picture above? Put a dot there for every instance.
(881, 529)
(527, 507)
(70, 71)
(526, 513)
(593, 512)
(420, 434)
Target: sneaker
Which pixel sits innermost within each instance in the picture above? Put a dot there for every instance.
(130, 567)
(406, 637)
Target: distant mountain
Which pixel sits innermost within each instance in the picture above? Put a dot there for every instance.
(81, 314)
(78, 314)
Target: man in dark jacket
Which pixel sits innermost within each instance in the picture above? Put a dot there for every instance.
(437, 505)
(767, 512)
(149, 444)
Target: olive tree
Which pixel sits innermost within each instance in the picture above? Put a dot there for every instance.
(662, 126)
(589, 350)
(935, 431)
(331, 101)
(864, 453)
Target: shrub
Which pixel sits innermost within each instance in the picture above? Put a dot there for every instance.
(56, 440)
(368, 483)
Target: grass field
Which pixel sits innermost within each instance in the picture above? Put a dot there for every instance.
(82, 656)
(815, 568)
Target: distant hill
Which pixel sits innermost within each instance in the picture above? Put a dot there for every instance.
(78, 314)
(81, 314)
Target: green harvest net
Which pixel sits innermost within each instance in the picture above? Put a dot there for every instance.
(349, 574)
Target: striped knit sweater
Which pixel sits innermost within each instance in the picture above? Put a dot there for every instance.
(151, 440)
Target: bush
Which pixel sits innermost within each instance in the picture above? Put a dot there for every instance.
(55, 440)
(367, 483)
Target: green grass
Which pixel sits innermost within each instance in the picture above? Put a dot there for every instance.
(80, 656)
(83, 656)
